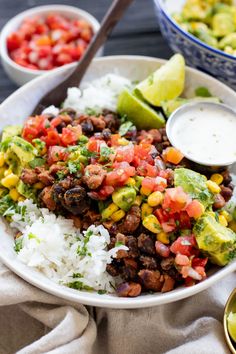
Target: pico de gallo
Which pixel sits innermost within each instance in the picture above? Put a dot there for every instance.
(45, 43)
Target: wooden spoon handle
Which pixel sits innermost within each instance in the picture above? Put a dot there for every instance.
(111, 18)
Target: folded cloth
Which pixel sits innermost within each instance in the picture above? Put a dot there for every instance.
(34, 322)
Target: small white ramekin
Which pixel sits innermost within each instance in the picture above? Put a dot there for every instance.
(19, 74)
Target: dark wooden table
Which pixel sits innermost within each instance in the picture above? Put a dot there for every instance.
(137, 33)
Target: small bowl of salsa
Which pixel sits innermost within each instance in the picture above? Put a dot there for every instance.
(45, 38)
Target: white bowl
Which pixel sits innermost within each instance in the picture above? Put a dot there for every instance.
(21, 103)
(19, 74)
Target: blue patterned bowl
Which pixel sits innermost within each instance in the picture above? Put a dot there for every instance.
(197, 54)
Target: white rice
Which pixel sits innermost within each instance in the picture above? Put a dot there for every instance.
(94, 96)
(55, 247)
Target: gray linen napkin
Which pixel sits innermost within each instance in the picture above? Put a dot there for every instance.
(34, 322)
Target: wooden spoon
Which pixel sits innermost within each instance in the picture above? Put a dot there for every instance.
(59, 93)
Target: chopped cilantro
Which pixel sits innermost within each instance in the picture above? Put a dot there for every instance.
(18, 244)
(6, 203)
(74, 166)
(60, 175)
(78, 285)
(77, 275)
(105, 152)
(82, 250)
(85, 152)
(102, 292)
(125, 127)
(83, 139)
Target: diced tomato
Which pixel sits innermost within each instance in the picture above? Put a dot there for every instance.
(160, 184)
(102, 194)
(148, 184)
(145, 169)
(184, 245)
(120, 174)
(175, 200)
(184, 220)
(52, 138)
(114, 139)
(14, 41)
(71, 135)
(195, 209)
(34, 127)
(56, 121)
(189, 281)
(56, 153)
(94, 144)
(142, 151)
(125, 153)
(161, 215)
(199, 262)
(172, 155)
(42, 43)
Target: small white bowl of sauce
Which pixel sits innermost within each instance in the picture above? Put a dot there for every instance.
(205, 133)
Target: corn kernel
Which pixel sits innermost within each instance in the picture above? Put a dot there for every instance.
(227, 215)
(131, 182)
(118, 215)
(151, 223)
(21, 199)
(146, 210)
(2, 160)
(222, 220)
(145, 191)
(107, 213)
(155, 199)
(43, 151)
(14, 194)
(213, 187)
(38, 185)
(123, 142)
(163, 237)
(138, 200)
(232, 225)
(7, 172)
(10, 181)
(217, 178)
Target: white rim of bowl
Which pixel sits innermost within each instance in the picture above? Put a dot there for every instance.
(190, 36)
(34, 11)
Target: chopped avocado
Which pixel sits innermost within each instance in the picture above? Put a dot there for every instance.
(10, 131)
(139, 112)
(216, 241)
(19, 153)
(170, 106)
(26, 190)
(194, 184)
(124, 197)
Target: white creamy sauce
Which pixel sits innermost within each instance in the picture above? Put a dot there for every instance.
(206, 135)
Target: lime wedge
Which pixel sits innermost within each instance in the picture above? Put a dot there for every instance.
(231, 320)
(138, 112)
(166, 83)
